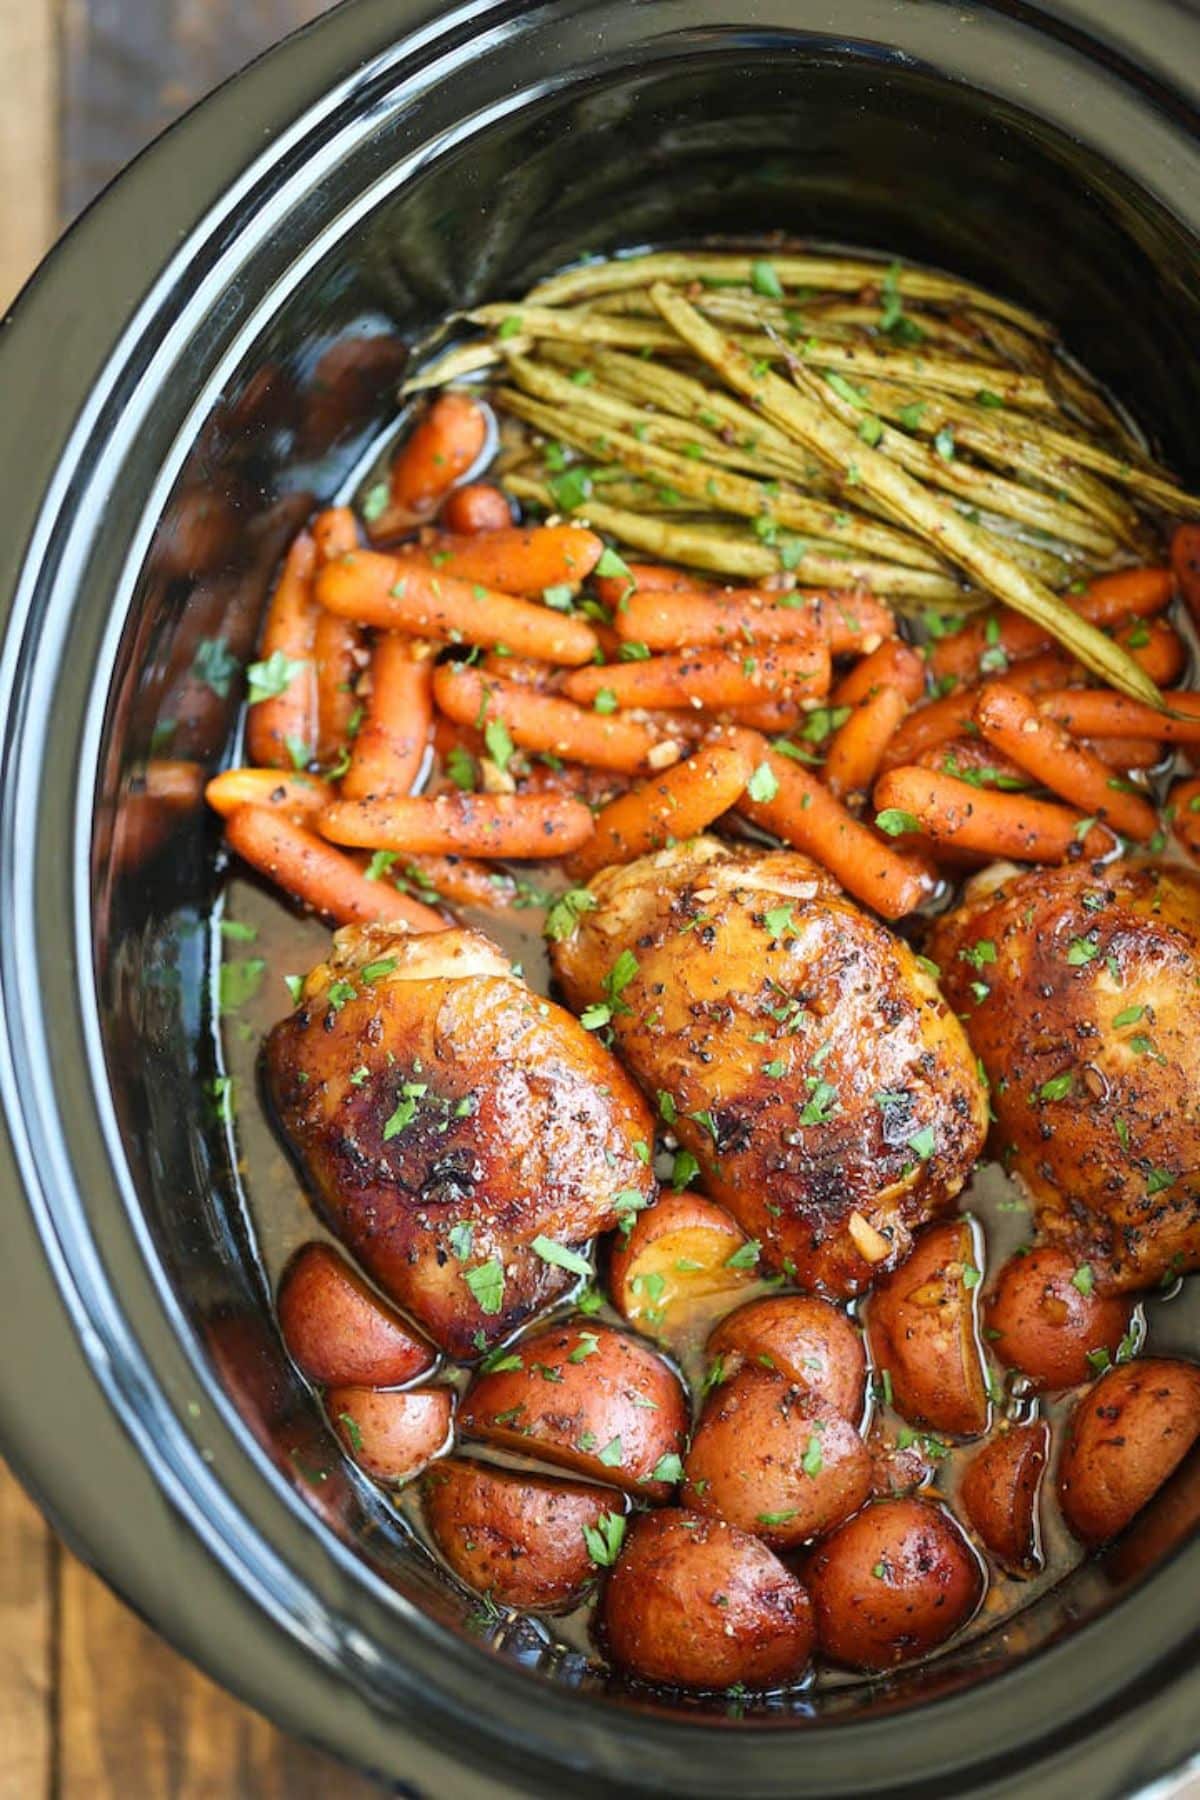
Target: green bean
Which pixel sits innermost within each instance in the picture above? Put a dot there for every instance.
(931, 517)
(842, 274)
(456, 362)
(978, 486)
(718, 489)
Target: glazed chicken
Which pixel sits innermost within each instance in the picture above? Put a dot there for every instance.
(445, 1117)
(797, 1049)
(1081, 994)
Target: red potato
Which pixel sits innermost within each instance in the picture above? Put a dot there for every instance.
(677, 1256)
(1126, 1436)
(999, 1493)
(804, 1339)
(1045, 1319)
(338, 1331)
(902, 1464)
(589, 1399)
(477, 507)
(921, 1329)
(520, 1538)
(892, 1584)
(390, 1435)
(695, 1603)
(775, 1460)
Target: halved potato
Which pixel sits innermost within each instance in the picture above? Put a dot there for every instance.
(892, 1583)
(999, 1493)
(1046, 1318)
(1126, 1436)
(681, 1253)
(391, 1435)
(695, 1603)
(523, 1539)
(588, 1398)
(921, 1329)
(338, 1331)
(807, 1340)
(775, 1460)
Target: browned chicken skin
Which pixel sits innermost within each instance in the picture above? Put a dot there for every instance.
(445, 1116)
(807, 1060)
(1080, 990)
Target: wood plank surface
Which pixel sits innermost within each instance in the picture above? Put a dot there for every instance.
(136, 1722)
(28, 137)
(28, 1570)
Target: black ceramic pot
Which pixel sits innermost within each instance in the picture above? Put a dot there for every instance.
(212, 347)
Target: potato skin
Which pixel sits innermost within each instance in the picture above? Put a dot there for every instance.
(999, 1494)
(1049, 1012)
(748, 1456)
(683, 1226)
(805, 1339)
(750, 964)
(930, 1585)
(1039, 1322)
(340, 1333)
(921, 1329)
(520, 1124)
(581, 1389)
(695, 1603)
(392, 1435)
(515, 1536)
(1126, 1436)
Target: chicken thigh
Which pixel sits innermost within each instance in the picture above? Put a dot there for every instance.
(797, 1048)
(1081, 993)
(446, 1117)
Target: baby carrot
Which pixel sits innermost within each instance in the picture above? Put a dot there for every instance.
(339, 655)
(1183, 809)
(774, 716)
(712, 678)
(803, 812)
(1011, 721)
(311, 870)
(393, 595)
(649, 578)
(521, 669)
(1106, 601)
(459, 880)
(1126, 753)
(299, 797)
(516, 559)
(1099, 713)
(477, 507)
(953, 814)
(700, 617)
(668, 808)
(973, 761)
(335, 533)
(1155, 646)
(507, 825)
(894, 664)
(953, 716)
(541, 722)
(1185, 566)
(387, 754)
(438, 452)
(281, 728)
(856, 748)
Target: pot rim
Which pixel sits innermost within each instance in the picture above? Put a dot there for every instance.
(80, 1278)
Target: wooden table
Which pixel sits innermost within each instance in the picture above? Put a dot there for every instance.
(92, 1703)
